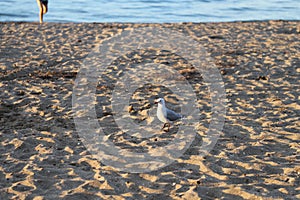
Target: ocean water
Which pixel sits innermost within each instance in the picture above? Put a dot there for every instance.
(147, 11)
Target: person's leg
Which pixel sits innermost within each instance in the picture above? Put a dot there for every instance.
(41, 10)
(45, 7)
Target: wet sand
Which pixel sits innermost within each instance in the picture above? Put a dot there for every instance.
(256, 157)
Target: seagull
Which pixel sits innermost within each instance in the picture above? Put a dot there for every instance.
(164, 114)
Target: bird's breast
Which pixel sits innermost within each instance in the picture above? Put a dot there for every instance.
(161, 114)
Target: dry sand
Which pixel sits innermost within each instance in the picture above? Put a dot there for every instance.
(256, 157)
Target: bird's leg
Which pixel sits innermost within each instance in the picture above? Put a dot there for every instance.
(166, 125)
(163, 126)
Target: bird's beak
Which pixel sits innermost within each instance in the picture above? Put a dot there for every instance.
(156, 101)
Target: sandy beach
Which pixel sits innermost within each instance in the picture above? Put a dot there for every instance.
(257, 155)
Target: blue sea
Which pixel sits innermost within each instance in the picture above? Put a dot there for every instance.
(148, 11)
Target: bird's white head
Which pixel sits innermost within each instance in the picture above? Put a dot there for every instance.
(160, 101)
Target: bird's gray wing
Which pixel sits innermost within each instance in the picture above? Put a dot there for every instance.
(172, 116)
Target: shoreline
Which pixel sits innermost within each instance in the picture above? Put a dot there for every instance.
(255, 157)
(183, 22)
